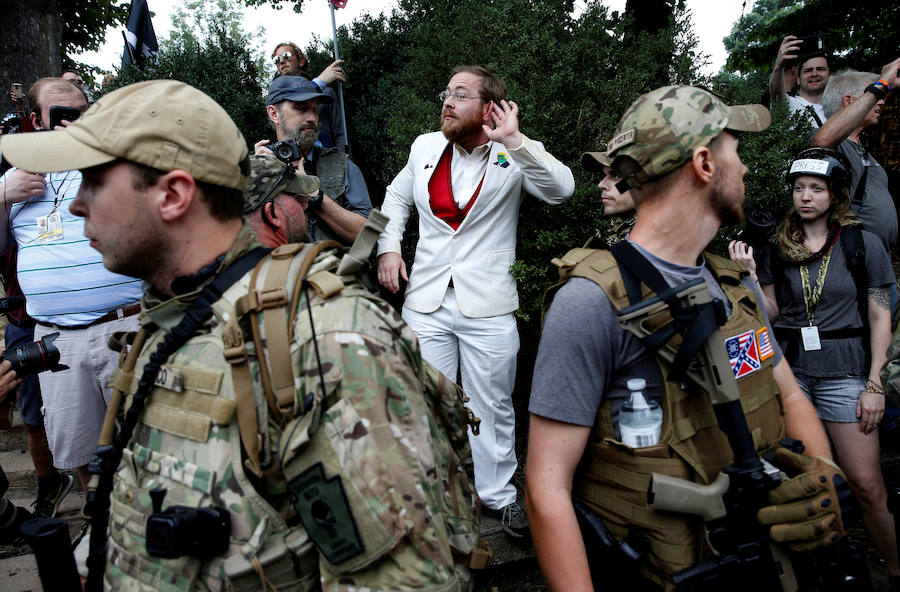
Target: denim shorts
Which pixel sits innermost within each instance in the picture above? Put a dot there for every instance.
(834, 398)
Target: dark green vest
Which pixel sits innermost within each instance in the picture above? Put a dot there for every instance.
(331, 168)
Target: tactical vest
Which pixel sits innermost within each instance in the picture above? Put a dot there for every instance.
(201, 429)
(188, 443)
(613, 479)
(331, 169)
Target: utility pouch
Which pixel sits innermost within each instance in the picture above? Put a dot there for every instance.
(276, 566)
(335, 474)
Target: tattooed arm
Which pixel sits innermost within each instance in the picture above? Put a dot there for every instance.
(871, 406)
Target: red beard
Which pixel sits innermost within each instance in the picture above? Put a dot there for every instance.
(461, 127)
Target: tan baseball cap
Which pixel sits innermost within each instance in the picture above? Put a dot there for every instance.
(661, 129)
(163, 124)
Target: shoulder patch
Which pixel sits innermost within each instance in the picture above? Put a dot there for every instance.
(743, 353)
(764, 344)
(325, 512)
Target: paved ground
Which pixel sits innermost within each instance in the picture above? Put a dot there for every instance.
(515, 568)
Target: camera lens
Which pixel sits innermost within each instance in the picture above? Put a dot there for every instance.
(32, 358)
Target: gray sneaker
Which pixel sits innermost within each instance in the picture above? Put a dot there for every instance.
(512, 519)
(47, 505)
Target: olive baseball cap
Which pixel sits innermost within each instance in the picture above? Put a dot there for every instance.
(594, 162)
(163, 124)
(661, 129)
(270, 177)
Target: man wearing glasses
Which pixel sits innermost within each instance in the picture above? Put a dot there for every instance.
(290, 61)
(467, 183)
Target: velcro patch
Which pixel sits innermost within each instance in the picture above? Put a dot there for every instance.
(326, 515)
(743, 353)
(623, 139)
(764, 344)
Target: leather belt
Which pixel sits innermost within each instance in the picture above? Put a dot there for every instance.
(116, 313)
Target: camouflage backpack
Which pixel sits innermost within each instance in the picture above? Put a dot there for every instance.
(266, 317)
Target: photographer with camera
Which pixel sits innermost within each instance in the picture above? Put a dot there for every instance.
(813, 71)
(340, 210)
(290, 61)
(66, 287)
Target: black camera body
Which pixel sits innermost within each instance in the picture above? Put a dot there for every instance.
(11, 303)
(180, 530)
(31, 358)
(285, 151)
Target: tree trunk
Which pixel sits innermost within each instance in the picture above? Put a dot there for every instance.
(651, 17)
(29, 45)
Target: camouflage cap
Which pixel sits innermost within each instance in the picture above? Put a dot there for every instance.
(661, 129)
(270, 177)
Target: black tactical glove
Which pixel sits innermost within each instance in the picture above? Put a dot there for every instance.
(811, 510)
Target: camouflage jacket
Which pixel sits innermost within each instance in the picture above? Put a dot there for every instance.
(375, 423)
(617, 231)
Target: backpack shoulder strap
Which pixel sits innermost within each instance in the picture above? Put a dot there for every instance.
(855, 252)
(270, 291)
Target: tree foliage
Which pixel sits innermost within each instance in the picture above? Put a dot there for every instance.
(85, 27)
(209, 49)
(571, 76)
(865, 35)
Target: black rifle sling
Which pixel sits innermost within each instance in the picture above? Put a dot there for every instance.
(108, 457)
(698, 322)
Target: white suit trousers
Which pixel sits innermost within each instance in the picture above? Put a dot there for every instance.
(484, 350)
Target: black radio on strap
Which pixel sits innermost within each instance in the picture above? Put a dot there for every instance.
(696, 322)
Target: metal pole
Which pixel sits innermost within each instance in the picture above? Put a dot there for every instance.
(340, 87)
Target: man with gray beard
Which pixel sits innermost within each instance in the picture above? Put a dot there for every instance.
(340, 210)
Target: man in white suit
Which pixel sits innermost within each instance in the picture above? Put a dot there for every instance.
(467, 183)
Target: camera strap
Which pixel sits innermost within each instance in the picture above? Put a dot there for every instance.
(108, 457)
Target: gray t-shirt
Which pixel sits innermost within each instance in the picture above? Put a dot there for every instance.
(837, 308)
(585, 357)
(877, 213)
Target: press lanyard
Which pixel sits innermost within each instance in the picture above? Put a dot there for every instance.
(812, 294)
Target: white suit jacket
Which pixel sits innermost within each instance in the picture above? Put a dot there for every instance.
(478, 255)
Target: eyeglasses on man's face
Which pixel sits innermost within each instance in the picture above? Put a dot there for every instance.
(284, 56)
(459, 95)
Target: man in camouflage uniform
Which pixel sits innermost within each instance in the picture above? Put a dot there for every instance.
(275, 201)
(676, 148)
(616, 205)
(163, 202)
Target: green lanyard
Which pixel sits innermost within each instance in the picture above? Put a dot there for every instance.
(812, 294)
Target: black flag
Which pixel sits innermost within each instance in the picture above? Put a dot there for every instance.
(140, 39)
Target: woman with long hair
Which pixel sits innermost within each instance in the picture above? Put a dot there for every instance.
(827, 283)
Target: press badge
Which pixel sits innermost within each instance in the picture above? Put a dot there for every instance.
(810, 338)
(50, 228)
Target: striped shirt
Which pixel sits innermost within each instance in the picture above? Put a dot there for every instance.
(61, 275)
